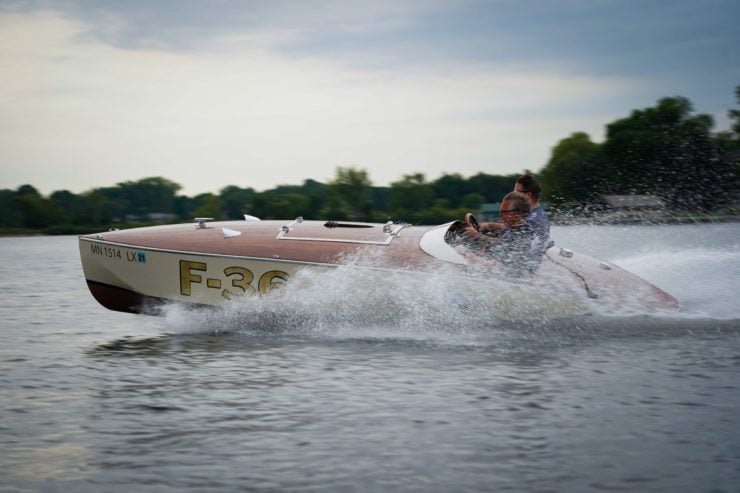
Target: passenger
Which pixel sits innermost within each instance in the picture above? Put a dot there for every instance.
(530, 186)
(513, 246)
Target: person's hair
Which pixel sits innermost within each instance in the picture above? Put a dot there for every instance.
(530, 184)
(519, 201)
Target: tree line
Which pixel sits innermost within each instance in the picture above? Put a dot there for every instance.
(349, 196)
(665, 150)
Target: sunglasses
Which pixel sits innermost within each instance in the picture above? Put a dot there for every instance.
(509, 210)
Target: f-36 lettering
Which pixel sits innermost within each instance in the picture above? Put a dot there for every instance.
(239, 280)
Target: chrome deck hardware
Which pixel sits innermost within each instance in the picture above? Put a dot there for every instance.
(287, 227)
(201, 222)
(564, 252)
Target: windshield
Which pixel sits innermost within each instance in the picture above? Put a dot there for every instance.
(441, 241)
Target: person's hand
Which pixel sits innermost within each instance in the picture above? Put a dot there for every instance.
(472, 232)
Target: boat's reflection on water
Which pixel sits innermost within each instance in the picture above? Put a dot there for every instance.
(195, 347)
(215, 336)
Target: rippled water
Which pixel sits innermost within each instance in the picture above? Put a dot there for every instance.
(338, 386)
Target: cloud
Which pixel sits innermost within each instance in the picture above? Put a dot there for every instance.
(78, 113)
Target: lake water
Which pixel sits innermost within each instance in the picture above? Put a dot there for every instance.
(345, 389)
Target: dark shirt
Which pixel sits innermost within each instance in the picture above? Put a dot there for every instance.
(514, 252)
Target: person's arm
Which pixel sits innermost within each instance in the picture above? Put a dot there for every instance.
(490, 227)
(480, 240)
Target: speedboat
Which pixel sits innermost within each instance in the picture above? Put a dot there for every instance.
(208, 263)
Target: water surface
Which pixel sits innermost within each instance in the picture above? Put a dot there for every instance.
(341, 387)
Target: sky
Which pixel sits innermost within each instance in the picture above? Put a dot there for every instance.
(259, 93)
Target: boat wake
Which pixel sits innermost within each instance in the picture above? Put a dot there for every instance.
(698, 264)
(440, 307)
(704, 280)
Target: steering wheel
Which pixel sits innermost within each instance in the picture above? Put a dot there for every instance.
(471, 221)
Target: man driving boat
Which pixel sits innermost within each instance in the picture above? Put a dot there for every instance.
(537, 218)
(512, 248)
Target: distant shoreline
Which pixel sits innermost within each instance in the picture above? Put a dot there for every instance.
(554, 219)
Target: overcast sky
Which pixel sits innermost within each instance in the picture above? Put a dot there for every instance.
(262, 93)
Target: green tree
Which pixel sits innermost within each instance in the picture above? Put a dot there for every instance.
(101, 209)
(410, 197)
(209, 205)
(313, 191)
(728, 144)
(665, 150)
(472, 201)
(290, 206)
(154, 194)
(439, 212)
(262, 205)
(235, 201)
(10, 216)
(70, 204)
(184, 207)
(349, 194)
(336, 208)
(573, 173)
(492, 187)
(36, 211)
(381, 199)
(453, 188)
(316, 194)
(116, 207)
(735, 115)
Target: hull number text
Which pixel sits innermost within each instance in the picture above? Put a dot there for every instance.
(115, 253)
